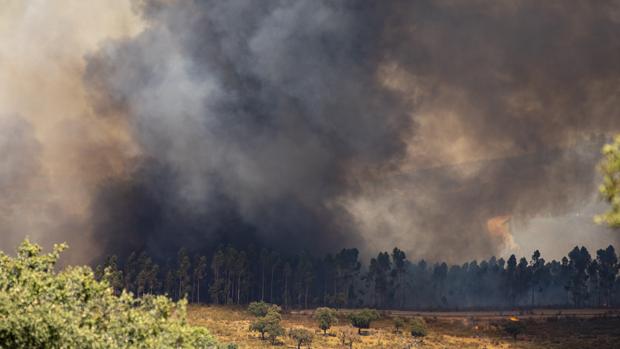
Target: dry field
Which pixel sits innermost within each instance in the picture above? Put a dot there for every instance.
(544, 329)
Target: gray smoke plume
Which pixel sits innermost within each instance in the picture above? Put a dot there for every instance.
(319, 124)
(453, 129)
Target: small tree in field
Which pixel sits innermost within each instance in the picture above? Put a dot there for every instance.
(326, 317)
(610, 189)
(301, 336)
(362, 318)
(269, 324)
(399, 323)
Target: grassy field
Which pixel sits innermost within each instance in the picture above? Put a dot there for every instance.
(550, 329)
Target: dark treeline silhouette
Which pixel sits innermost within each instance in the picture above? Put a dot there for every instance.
(390, 280)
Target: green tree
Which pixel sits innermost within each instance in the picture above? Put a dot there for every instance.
(610, 188)
(326, 317)
(42, 308)
(200, 271)
(112, 274)
(301, 336)
(260, 309)
(608, 268)
(362, 318)
(269, 324)
(183, 275)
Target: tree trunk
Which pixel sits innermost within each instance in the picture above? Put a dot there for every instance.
(262, 291)
(306, 298)
(271, 287)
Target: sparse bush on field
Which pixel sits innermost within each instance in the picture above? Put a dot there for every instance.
(269, 324)
(326, 317)
(362, 318)
(399, 323)
(301, 336)
(513, 328)
(418, 327)
(41, 308)
(348, 337)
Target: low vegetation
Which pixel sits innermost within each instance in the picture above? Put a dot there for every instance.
(418, 327)
(41, 308)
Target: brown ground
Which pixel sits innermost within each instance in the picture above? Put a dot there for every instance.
(578, 329)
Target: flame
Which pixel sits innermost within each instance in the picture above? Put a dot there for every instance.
(499, 228)
(514, 319)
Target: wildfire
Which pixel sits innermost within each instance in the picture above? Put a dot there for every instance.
(514, 319)
(499, 229)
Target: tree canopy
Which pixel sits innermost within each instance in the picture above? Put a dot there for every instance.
(610, 188)
(42, 308)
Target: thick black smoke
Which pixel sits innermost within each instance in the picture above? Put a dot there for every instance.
(274, 121)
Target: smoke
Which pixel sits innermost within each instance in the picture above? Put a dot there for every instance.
(323, 124)
(54, 150)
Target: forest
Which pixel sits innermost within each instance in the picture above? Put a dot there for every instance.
(388, 281)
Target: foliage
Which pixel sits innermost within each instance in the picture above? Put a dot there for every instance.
(610, 188)
(301, 336)
(326, 317)
(399, 323)
(513, 327)
(259, 309)
(362, 318)
(418, 327)
(348, 337)
(269, 324)
(40, 308)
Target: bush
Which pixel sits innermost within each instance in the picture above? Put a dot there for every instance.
(301, 336)
(418, 327)
(326, 317)
(348, 337)
(363, 318)
(40, 308)
(399, 323)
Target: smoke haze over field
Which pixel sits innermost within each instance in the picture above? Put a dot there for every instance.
(454, 130)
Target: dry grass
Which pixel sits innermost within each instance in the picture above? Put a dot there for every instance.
(230, 324)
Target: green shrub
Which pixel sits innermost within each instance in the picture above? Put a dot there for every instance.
(301, 336)
(399, 323)
(362, 318)
(41, 308)
(326, 317)
(418, 327)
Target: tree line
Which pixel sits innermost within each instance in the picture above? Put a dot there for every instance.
(388, 280)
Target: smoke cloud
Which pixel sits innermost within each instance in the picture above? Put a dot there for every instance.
(443, 127)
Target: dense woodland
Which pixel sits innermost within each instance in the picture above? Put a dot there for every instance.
(389, 280)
